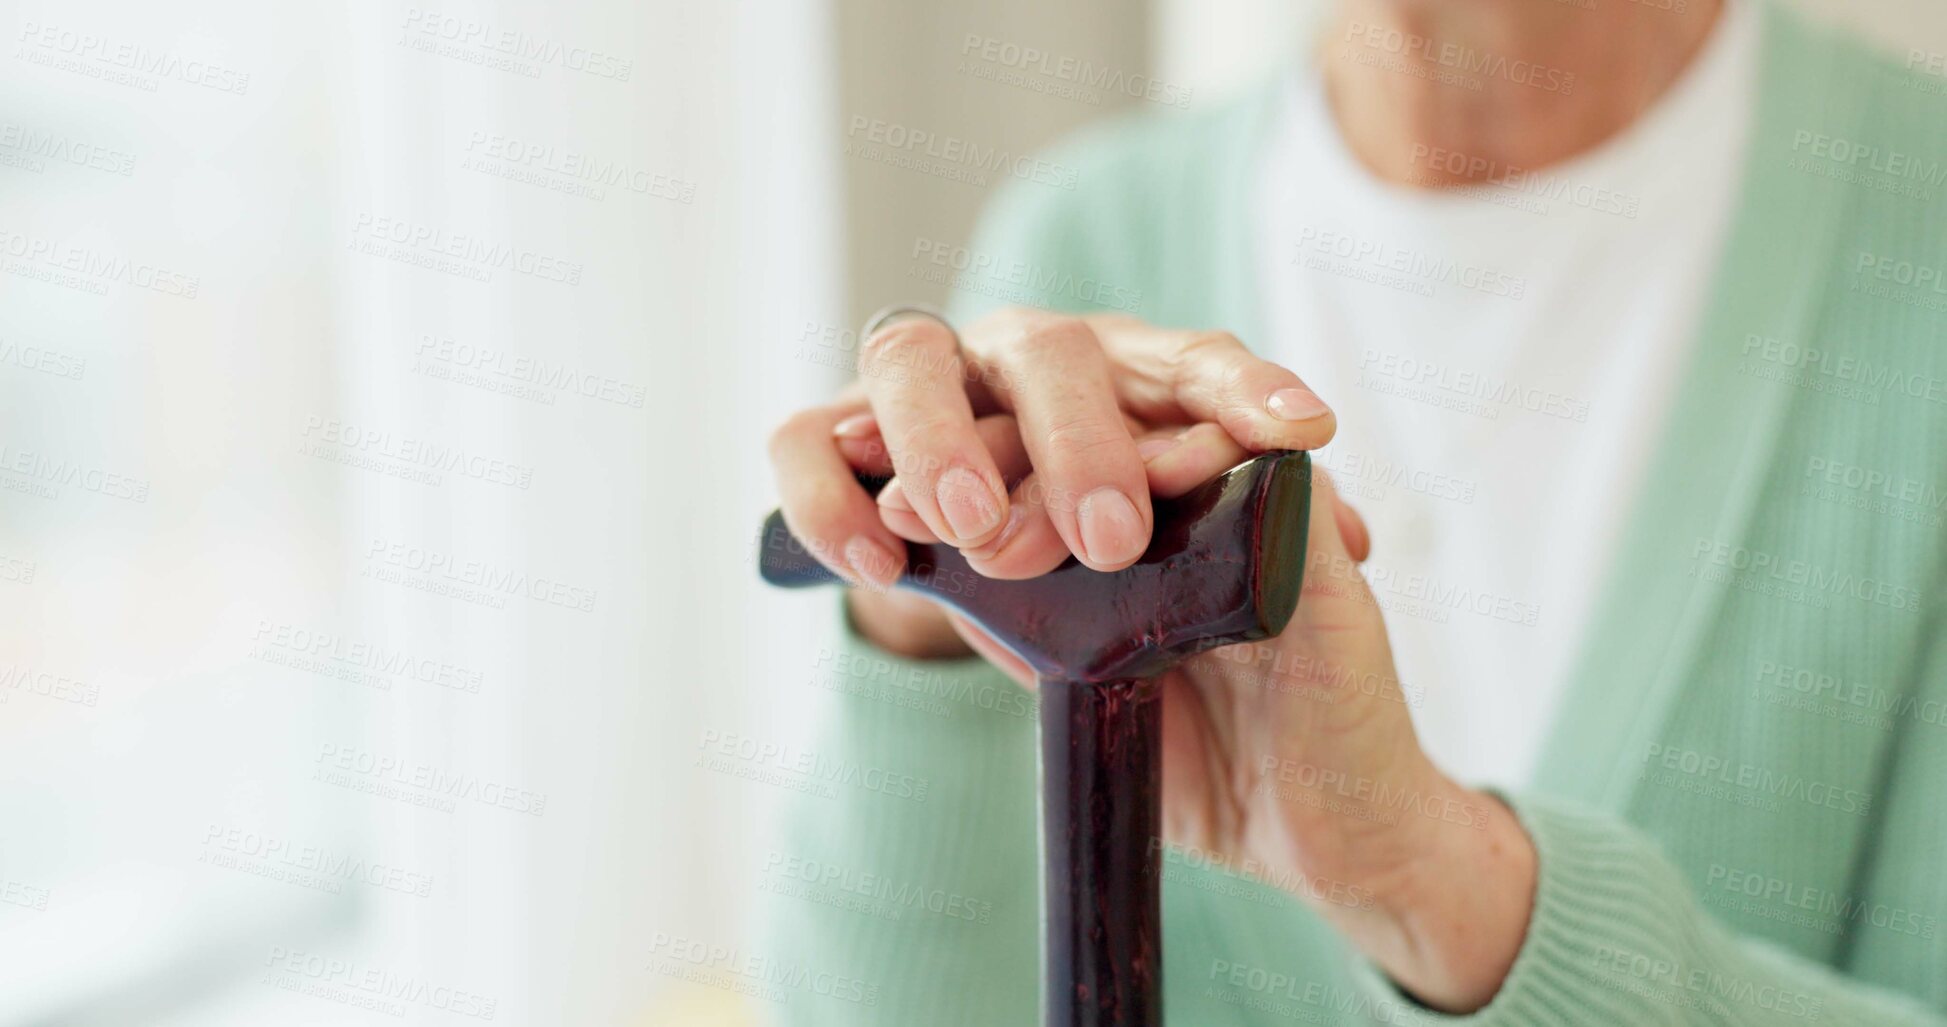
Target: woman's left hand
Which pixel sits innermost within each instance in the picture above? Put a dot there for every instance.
(1294, 760)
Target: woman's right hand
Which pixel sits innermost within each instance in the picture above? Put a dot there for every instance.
(1038, 437)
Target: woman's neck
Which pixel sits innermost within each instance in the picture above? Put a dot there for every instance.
(1444, 92)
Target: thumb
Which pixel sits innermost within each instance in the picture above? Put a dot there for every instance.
(1334, 592)
(991, 650)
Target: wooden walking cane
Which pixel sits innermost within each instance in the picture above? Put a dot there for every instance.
(1224, 565)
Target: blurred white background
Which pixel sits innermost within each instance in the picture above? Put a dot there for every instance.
(382, 402)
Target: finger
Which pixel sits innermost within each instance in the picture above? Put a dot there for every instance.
(896, 513)
(1211, 376)
(1176, 460)
(912, 375)
(824, 505)
(1057, 381)
(992, 650)
(863, 447)
(1029, 545)
(1334, 595)
(1003, 441)
(1180, 459)
(1352, 531)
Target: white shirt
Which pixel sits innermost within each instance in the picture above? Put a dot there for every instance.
(1501, 360)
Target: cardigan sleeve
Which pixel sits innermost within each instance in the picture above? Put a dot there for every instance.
(1618, 936)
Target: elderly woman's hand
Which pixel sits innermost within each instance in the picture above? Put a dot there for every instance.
(1293, 760)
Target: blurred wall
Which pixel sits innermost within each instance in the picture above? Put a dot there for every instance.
(937, 102)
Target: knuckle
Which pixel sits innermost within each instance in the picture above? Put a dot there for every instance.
(915, 342)
(821, 516)
(1210, 345)
(1083, 436)
(1048, 334)
(795, 427)
(916, 455)
(1211, 361)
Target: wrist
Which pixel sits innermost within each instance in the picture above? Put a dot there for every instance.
(1457, 911)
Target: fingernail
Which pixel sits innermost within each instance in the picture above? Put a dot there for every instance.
(1017, 515)
(872, 561)
(857, 426)
(1112, 530)
(1296, 405)
(967, 503)
(1150, 449)
(893, 497)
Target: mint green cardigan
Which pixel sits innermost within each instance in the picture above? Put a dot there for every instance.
(1741, 809)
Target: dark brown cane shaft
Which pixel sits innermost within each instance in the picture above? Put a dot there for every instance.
(1101, 810)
